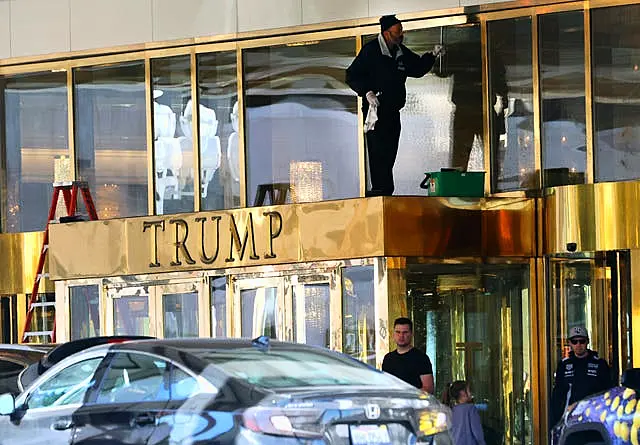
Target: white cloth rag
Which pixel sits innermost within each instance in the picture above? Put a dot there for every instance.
(372, 118)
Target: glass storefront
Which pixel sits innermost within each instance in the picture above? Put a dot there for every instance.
(301, 122)
(474, 323)
(36, 134)
(111, 139)
(358, 313)
(84, 311)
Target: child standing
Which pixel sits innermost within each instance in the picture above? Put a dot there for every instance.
(465, 420)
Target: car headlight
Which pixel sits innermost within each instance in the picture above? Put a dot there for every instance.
(431, 422)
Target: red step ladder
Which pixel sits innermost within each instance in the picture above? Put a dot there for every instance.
(69, 192)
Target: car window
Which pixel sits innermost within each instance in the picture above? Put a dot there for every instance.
(183, 385)
(67, 387)
(9, 372)
(135, 378)
(294, 368)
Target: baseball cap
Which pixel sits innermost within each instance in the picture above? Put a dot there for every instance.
(578, 331)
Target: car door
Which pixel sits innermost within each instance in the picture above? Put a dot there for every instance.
(130, 398)
(43, 414)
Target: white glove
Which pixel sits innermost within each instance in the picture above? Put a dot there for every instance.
(438, 50)
(372, 99)
(499, 105)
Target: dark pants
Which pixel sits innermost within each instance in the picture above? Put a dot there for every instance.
(382, 146)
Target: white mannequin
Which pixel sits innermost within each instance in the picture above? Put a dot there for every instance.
(166, 149)
(210, 149)
(233, 156)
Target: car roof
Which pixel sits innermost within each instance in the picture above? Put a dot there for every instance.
(27, 348)
(208, 343)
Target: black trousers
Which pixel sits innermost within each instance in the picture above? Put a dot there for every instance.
(382, 147)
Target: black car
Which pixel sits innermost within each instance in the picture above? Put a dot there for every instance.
(13, 360)
(205, 391)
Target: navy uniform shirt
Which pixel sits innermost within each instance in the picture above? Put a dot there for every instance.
(408, 366)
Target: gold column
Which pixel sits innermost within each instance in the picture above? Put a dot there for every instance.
(362, 167)
(635, 307)
(539, 358)
(335, 309)
(508, 397)
(241, 129)
(537, 119)
(486, 131)
(588, 94)
(148, 93)
(390, 301)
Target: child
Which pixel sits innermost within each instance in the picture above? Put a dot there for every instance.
(465, 420)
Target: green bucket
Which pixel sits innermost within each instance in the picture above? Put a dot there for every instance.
(454, 183)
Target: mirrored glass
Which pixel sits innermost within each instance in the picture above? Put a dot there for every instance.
(511, 105)
(358, 313)
(258, 309)
(84, 303)
(442, 119)
(616, 94)
(311, 314)
(564, 153)
(111, 140)
(36, 134)
(219, 149)
(131, 315)
(172, 142)
(218, 307)
(301, 123)
(180, 315)
(473, 322)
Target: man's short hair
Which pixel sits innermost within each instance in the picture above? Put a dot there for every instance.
(403, 321)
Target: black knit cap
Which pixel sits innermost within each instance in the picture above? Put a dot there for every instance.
(387, 21)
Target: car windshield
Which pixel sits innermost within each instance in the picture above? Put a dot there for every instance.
(280, 368)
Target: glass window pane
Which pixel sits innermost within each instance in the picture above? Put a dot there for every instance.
(172, 130)
(616, 96)
(511, 87)
(131, 315)
(111, 139)
(84, 311)
(180, 315)
(442, 119)
(219, 150)
(358, 313)
(311, 314)
(473, 322)
(36, 133)
(258, 309)
(43, 319)
(135, 378)
(301, 122)
(67, 387)
(564, 153)
(218, 307)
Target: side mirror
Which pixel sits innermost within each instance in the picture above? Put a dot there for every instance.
(7, 404)
(631, 379)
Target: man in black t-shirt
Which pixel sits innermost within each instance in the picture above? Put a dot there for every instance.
(406, 362)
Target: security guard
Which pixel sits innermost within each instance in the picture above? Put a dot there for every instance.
(580, 375)
(378, 74)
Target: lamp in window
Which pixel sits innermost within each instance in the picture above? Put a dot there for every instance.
(306, 181)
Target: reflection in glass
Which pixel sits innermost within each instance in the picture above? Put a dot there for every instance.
(564, 154)
(36, 133)
(299, 108)
(473, 322)
(218, 307)
(172, 143)
(358, 313)
(44, 317)
(111, 141)
(616, 93)
(442, 119)
(131, 315)
(219, 150)
(180, 315)
(511, 87)
(311, 315)
(258, 309)
(84, 302)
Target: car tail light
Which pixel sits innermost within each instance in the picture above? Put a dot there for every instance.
(295, 422)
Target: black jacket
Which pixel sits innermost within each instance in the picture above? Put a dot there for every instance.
(374, 71)
(577, 378)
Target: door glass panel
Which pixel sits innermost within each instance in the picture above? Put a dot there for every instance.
(180, 315)
(358, 313)
(219, 307)
(67, 387)
(131, 315)
(258, 308)
(84, 311)
(473, 322)
(311, 312)
(511, 104)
